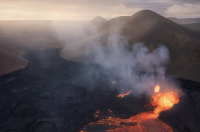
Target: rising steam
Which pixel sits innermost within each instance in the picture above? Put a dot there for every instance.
(134, 64)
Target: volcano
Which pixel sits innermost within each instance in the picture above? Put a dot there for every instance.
(152, 29)
(55, 89)
(98, 21)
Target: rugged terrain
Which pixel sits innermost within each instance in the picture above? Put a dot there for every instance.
(40, 91)
(55, 95)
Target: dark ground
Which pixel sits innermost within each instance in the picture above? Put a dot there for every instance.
(55, 95)
(52, 94)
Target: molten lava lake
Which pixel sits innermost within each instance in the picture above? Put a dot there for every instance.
(55, 95)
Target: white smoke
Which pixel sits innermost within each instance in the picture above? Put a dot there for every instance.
(135, 65)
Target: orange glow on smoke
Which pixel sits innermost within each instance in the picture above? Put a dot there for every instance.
(125, 94)
(143, 122)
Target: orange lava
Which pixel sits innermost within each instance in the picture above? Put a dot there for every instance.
(143, 122)
(96, 114)
(157, 89)
(164, 101)
(113, 82)
(125, 94)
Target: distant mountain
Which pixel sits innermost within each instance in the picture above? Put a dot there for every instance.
(98, 20)
(153, 29)
(185, 20)
(193, 26)
(146, 26)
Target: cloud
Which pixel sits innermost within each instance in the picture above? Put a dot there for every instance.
(189, 1)
(184, 11)
(68, 10)
(84, 9)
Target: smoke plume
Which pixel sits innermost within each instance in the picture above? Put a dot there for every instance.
(139, 68)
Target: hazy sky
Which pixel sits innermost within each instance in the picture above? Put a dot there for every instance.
(88, 9)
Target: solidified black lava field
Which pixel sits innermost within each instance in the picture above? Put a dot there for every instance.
(52, 95)
(55, 95)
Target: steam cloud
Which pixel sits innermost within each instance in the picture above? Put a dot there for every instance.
(134, 64)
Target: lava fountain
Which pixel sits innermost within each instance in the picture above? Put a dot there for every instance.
(143, 122)
(164, 101)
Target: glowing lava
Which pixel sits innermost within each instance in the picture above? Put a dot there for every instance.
(157, 89)
(113, 82)
(96, 114)
(164, 101)
(125, 94)
(143, 122)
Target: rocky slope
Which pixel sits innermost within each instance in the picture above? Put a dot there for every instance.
(153, 30)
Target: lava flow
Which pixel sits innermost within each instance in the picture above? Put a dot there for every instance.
(164, 101)
(125, 94)
(143, 122)
(113, 82)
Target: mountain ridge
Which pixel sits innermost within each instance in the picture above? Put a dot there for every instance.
(153, 29)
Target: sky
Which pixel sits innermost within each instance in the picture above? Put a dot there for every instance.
(78, 10)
